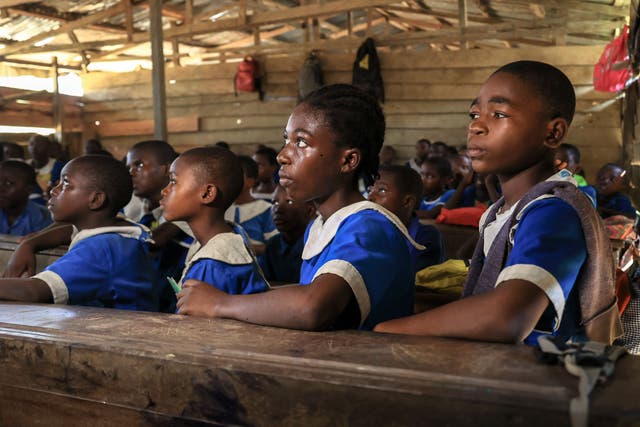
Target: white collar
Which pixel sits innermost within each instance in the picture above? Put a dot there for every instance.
(322, 232)
(223, 247)
(133, 231)
(247, 210)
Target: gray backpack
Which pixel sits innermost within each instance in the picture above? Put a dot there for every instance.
(310, 76)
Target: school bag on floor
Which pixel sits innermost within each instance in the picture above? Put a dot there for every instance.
(366, 70)
(310, 76)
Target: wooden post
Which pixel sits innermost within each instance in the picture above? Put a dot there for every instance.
(462, 21)
(58, 112)
(631, 130)
(157, 60)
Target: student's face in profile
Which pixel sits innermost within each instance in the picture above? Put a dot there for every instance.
(180, 198)
(508, 128)
(386, 193)
(287, 214)
(148, 175)
(70, 199)
(311, 162)
(432, 181)
(422, 150)
(265, 169)
(14, 191)
(610, 180)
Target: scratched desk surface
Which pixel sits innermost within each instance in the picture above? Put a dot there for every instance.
(176, 368)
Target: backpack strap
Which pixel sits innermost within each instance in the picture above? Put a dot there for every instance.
(590, 361)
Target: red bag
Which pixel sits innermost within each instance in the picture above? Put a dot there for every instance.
(612, 71)
(246, 76)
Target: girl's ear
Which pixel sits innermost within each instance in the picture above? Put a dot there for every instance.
(351, 160)
(556, 132)
(209, 194)
(97, 200)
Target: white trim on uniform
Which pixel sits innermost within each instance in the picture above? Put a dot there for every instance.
(58, 288)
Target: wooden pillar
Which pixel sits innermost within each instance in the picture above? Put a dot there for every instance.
(462, 22)
(58, 111)
(631, 130)
(157, 60)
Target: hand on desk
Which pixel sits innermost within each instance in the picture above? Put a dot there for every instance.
(199, 299)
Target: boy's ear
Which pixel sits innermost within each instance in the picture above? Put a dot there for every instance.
(97, 200)
(556, 132)
(351, 159)
(408, 201)
(209, 194)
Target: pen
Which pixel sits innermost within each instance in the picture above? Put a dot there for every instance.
(173, 284)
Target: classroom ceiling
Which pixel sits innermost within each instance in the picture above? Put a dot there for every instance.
(115, 34)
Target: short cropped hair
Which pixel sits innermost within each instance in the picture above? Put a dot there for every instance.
(442, 165)
(162, 151)
(552, 86)
(572, 151)
(270, 154)
(408, 181)
(249, 166)
(106, 174)
(219, 166)
(23, 171)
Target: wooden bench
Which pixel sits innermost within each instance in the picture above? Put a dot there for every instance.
(64, 365)
(9, 243)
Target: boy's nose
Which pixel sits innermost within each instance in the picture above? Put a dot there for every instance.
(283, 155)
(477, 127)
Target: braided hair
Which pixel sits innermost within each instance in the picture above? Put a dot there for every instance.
(357, 121)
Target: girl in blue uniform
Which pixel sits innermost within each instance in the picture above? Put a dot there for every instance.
(355, 270)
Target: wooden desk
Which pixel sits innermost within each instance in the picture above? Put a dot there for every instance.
(83, 366)
(8, 244)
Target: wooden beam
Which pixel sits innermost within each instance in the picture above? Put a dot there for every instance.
(65, 28)
(128, 19)
(83, 54)
(157, 82)
(462, 21)
(146, 127)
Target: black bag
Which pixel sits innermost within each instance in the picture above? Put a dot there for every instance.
(310, 76)
(366, 70)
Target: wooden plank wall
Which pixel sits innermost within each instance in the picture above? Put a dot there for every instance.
(428, 95)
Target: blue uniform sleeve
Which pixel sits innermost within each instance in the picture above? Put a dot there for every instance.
(232, 279)
(549, 250)
(621, 203)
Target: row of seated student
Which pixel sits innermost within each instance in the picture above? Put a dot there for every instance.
(356, 269)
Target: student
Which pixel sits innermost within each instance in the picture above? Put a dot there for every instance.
(399, 189)
(543, 264)
(282, 259)
(436, 176)
(19, 215)
(47, 167)
(265, 158)
(568, 157)
(388, 155)
(12, 151)
(423, 146)
(439, 149)
(203, 183)
(355, 270)
(611, 185)
(254, 215)
(108, 263)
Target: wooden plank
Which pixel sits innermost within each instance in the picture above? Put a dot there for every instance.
(145, 127)
(145, 368)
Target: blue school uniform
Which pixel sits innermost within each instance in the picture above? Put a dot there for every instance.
(281, 261)
(590, 192)
(548, 250)
(427, 205)
(255, 217)
(364, 244)
(429, 237)
(105, 267)
(618, 202)
(225, 263)
(33, 218)
(170, 260)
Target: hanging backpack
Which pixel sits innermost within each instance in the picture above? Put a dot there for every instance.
(247, 76)
(366, 70)
(310, 76)
(612, 71)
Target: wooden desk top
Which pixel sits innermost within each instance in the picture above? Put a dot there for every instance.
(137, 367)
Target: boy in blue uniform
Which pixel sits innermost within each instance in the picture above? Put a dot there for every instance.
(203, 183)
(610, 189)
(436, 174)
(253, 215)
(399, 189)
(108, 263)
(282, 258)
(19, 215)
(568, 157)
(355, 270)
(543, 263)
(265, 187)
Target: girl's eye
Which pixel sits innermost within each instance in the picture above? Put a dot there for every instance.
(499, 115)
(289, 202)
(286, 140)
(301, 143)
(473, 115)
